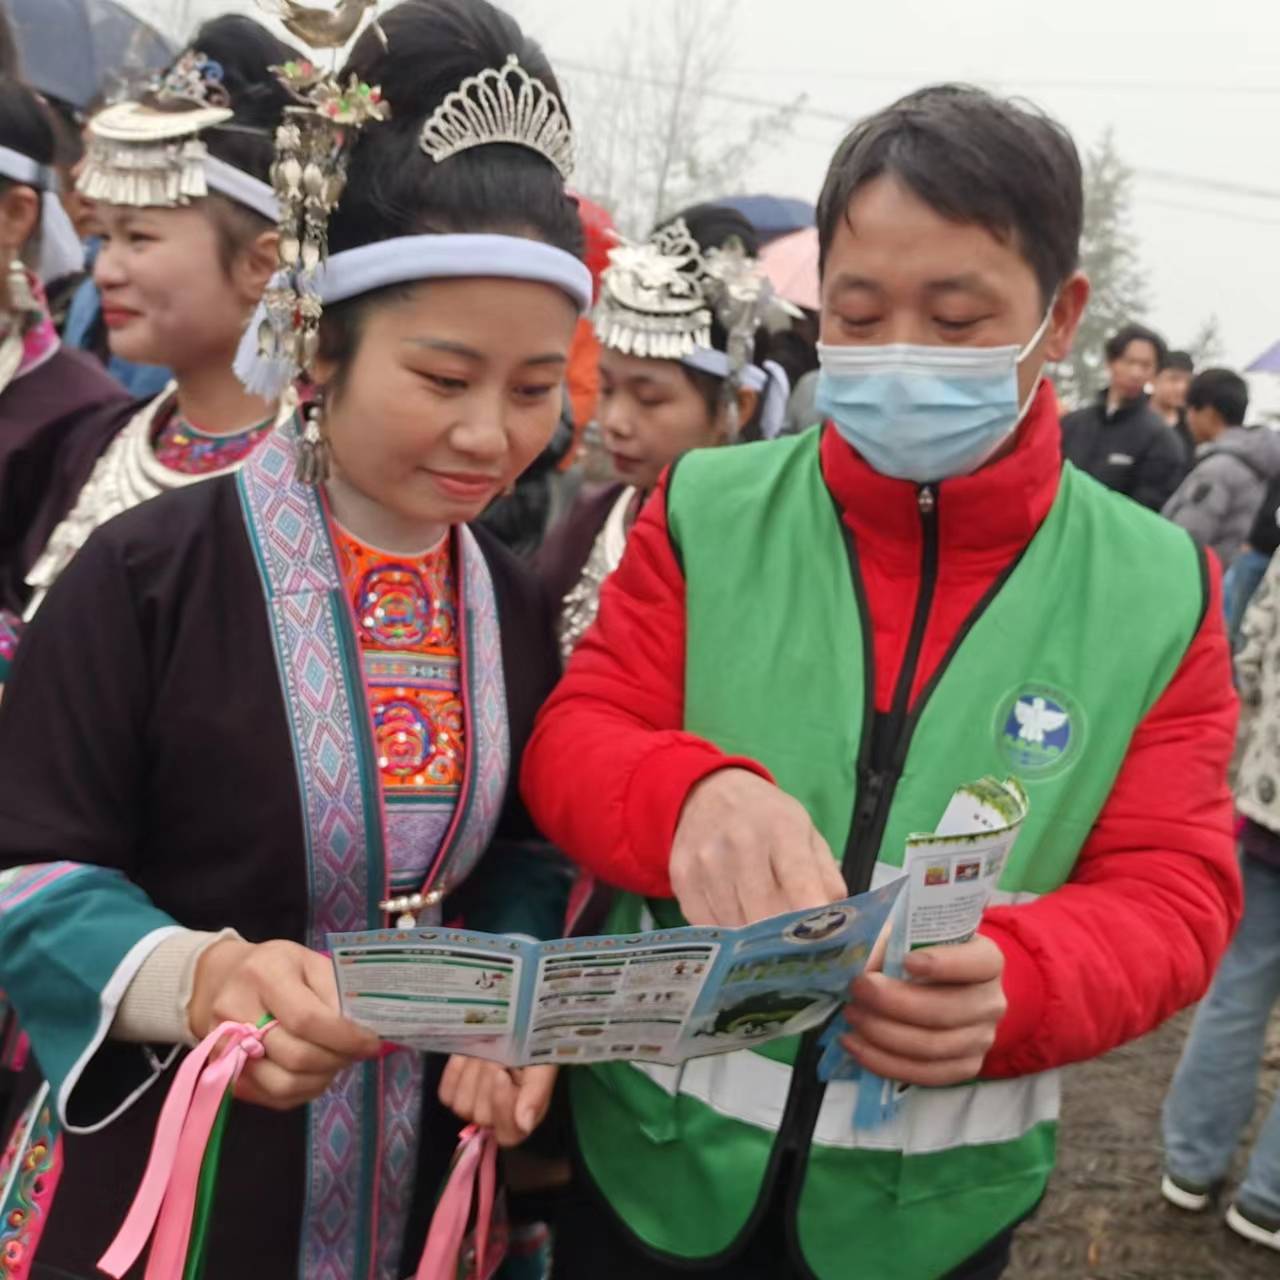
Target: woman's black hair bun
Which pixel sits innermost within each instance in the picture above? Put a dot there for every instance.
(394, 188)
(246, 51)
(25, 123)
(433, 45)
(714, 225)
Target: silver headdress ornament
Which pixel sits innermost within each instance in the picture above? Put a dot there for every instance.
(501, 104)
(147, 153)
(744, 302)
(651, 298)
(658, 300)
(323, 28)
(313, 150)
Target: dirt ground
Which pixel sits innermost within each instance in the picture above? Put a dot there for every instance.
(1104, 1217)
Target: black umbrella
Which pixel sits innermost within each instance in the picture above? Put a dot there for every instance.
(77, 49)
(772, 216)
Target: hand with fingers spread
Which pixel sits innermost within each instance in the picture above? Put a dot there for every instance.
(744, 851)
(240, 981)
(936, 1029)
(510, 1102)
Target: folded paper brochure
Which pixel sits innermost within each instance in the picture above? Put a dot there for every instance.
(663, 996)
(673, 994)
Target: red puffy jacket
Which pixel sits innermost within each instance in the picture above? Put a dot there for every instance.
(1137, 931)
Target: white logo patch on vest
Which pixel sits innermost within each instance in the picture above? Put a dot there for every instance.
(1039, 730)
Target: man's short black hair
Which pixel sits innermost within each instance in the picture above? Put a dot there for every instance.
(1119, 342)
(972, 157)
(1223, 390)
(1179, 360)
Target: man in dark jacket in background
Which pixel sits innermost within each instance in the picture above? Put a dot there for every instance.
(1119, 439)
(1169, 399)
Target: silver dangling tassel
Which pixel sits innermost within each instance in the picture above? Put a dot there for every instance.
(22, 301)
(313, 449)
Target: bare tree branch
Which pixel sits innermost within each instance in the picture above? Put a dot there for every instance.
(651, 139)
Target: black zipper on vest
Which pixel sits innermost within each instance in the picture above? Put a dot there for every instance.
(884, 744)
(891, 733)
(878, 775)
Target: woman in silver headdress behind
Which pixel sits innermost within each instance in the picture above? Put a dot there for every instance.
(684, 322)
(179, 181)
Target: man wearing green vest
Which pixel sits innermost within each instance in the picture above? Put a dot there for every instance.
(807, 647)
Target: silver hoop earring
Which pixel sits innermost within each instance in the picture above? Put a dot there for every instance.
(313, 449)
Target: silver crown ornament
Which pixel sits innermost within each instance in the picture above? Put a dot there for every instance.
(148, 153)
(501, 104)
(651, 300)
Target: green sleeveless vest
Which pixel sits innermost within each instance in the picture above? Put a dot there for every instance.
(1048, 681)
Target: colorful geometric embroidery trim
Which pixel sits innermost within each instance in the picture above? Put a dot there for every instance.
(29, 1174)
(10, 632)
(489, 732)
(402, 1079)
(20, 884)
(406, 614)
(348, 1126)
(183, 448)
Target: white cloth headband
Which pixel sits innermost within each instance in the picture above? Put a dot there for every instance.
(241, 187)
(31, 173)
(407, 259)
(61, 253)
(772, 380)
(715, 362)
(450, 257)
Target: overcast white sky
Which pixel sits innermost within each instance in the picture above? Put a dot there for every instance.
(1191, 88)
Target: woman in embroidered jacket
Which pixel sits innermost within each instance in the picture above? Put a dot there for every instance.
(681, 322)
(285, 709)
(188, 245)
(52, 400)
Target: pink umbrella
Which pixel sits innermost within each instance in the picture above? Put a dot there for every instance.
(791, 263)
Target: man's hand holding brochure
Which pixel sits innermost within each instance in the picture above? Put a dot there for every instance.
(930, 1016)
(674, 994)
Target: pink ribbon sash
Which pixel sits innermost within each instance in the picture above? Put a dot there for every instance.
(476, 1163)
(166, 1197)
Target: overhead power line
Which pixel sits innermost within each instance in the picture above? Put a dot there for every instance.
(740, 99)
(847, 119)
(1210, 184)
(1083, 86)
(1230, 214)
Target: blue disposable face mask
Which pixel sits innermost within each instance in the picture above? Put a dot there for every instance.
(924, 413)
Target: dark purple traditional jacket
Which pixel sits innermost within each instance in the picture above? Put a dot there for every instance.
(185, 740)
(54, 424)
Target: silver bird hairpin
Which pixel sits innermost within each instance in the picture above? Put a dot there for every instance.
(323, 28)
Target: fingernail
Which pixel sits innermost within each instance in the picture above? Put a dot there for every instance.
(525, 1121)
(921, 964)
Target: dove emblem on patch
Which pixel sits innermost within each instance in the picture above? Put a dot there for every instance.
(1039, 729)
(1036, 719)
